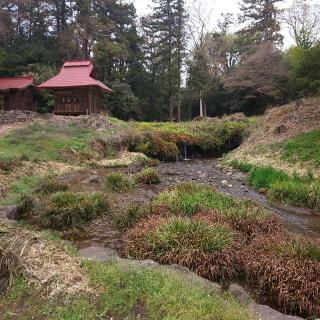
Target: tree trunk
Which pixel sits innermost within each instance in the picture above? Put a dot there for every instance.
(171, 108)
(179, 106)
(201, 104)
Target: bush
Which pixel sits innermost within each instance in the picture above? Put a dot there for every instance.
(287, 269)
(148, 176)
(50, 185)
(69, 209)
(209, 249)
(118, 182)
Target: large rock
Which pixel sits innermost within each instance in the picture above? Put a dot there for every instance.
(266, 313)
(9, 212)
(92, 179)
(99, 253)
(239, 292)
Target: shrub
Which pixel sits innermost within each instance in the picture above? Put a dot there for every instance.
(69, 209)
(118, 182)
(264, 177)
(148, 176)
(287, 269)
(50, 185)
(211, 250)
(127, 217)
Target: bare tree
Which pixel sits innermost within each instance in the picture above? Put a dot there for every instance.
(199, 19)
(303, 22)
(262, 75)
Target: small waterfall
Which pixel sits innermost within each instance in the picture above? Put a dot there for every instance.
(185, 152)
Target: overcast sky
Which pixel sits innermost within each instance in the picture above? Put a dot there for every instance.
(217, 7)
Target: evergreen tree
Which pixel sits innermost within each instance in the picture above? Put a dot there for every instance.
(261, 21)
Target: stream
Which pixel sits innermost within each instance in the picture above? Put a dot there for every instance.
(228, 181)
(295, 219)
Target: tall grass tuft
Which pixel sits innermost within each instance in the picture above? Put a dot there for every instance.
(118, 182)
(148, 176)
(287, 269)
(71, 209)
(209, 249)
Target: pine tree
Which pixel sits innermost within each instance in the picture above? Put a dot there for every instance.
(260, 17)
(169, 29)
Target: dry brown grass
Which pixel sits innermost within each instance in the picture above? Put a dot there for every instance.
(279, 124)
(43, 262)
(218, 265)
(291, 280)
(294, 118)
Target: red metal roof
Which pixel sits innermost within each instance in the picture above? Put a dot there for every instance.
(16, 83)
(74, 74)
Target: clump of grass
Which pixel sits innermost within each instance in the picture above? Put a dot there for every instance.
(118, 182)
(264, 177)
(180, 234)
(71, 209)
(289, 189)
(188, 199)
(287, 269)
(148, 176)
(209, 249)
(128, 217)
(50, 185)
(296, 192)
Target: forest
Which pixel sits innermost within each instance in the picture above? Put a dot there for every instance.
(160, 65)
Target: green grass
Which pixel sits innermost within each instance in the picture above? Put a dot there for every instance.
(43, 142)
(289, 189)
(180, 234)
(264, 177)
(303, 148)
(296, 192)
(123, 294)
(71, 209)
(243, 166)
(118, 182)
(20, 189)
(187, 198)
(163, 296)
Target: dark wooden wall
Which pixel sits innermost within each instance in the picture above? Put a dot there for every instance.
(77, 101)
(19, 100)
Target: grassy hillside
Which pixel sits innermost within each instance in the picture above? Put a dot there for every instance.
(282, 155)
